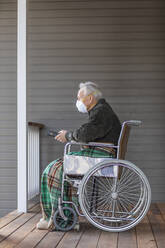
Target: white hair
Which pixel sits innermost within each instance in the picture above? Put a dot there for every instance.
(90, 88)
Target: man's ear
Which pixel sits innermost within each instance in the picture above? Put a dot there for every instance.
(91, 98)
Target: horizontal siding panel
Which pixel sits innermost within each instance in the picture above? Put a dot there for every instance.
(7, 15)
(8, 156)
(8, 116)
(105, 84)
(10, 203)
(8, 23)
(149, 139)
(7, 1)
(96, 5)
(94, 28)
(8, 139)
(5, 196)
(8, 45)
(156, 181)
(5, 100)
(98, 68)
(157, 189)
(8, 164)
(8, 38)
(11, 124)
(7, 108)
(142, 156)
(7, 29)
(96, 75)
(7, 189)
(8, 62)
(5, 211)
(148, 12)
(94, 20)
(99, 36)
(96, 44)
(157, 173)
(50, 1)
(99, 52)
(8, 147)
(7, 92)
(8, 171)
(8, 6)
(7, 131)
(7, 181)
(7, 53)
(8, 76)
(6, 84)
(51, 61)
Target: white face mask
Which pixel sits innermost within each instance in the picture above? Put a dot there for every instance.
(81, 107)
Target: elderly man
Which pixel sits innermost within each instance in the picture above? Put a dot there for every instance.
(103, 126)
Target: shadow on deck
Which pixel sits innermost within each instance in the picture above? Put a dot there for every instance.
(18, 230)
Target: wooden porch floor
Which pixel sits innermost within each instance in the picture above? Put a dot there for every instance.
(18, 230)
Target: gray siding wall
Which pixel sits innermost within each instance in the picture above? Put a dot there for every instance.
(8, 165)
(117, 44)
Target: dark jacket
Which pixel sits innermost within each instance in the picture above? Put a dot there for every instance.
(103, 126)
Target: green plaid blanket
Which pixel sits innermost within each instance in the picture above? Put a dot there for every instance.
(51, 181)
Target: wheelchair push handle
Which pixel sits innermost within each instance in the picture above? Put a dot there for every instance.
(134, 122)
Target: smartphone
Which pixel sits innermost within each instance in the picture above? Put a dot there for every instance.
(52, 133)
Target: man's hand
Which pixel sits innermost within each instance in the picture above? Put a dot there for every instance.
(61, 136)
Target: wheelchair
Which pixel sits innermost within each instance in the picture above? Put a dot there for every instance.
(113, 194)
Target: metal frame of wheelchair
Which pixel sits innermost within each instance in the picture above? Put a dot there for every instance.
(114, 194)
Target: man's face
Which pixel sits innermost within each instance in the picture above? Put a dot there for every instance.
(85, 99)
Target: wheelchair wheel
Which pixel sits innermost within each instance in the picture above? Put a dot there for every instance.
(61, 224)
(115, 195)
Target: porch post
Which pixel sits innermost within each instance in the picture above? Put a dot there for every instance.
(21, 108)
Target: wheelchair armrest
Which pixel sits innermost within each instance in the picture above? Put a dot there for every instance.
(88, 144)
(102, 144)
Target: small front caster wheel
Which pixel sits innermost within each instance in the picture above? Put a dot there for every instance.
(65, 225)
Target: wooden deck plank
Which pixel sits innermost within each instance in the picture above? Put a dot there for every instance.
(32, 239)
(35, 208)
(161, 207)
(145, 238)
(15, 214)
(90, 237)
(9, 217)
(32, 202)
(19, 231)
(158, 225)
(70, 239)
(108, 240)
(52, 239)
(127, 239)
(17, 223)
(16, 237)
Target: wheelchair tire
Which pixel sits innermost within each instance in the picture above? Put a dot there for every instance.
(61, 224)
(114, 202)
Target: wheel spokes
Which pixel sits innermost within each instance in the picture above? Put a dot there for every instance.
(114, 205)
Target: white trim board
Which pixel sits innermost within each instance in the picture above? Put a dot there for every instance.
(21, 107)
